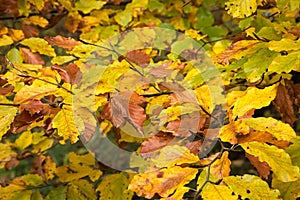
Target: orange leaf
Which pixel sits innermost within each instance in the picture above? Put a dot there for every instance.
(63, 42)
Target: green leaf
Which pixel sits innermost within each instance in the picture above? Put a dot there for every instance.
(285, 63)
(14, 56)
(86, 6)
(39, 45)
(251, 187)
(254, 99)
(279, 161)
(280, 130)
(32, 179)
(114, 186)
(58, 193)
(123, 18)
(294, 152)
(289, 190)
(257, 64)
(204, 18)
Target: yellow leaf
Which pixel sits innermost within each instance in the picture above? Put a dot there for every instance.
(49, 168)
(285, 44)
(221, 167)
(24, 140)
(16, 35)
(241, 8)
(280, 130)
(218, 192)
(81, 190)
(114, 186)
(39, 45)
(254, 99)
(174, 155)
(67, 173)
(163, 182)
(66, 127)
(279, 161)
(36, 20)
(39, 4)
(62, 59)
(7, 116)
(86, 159)
(86, 6)
(6, 40)
(229, 131)
(251, 187)
(43, 145)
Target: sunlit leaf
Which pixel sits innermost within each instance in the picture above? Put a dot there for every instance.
(279, 161)
(39, 45)
(241, 8)
(163, 182)
(251, 187)
(254, 98)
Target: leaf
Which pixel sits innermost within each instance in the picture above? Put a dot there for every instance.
(7, 115)
(60, 60)
(86, 159)
(39, 45)
(279, 161)
(81, 190)
(218, 192)
(36, 20)
(294, 152)
(251, 187)
(254, 98)
(241, 8)
(63, 42)
(138, 57)
(221, 167)
(86, 6)
(174, 155)
(70, 73)
(30, 179)
(6, 40)
(262, 167)
(285, 63)
(66, 128)
(155, 142)
(276, 128)
(30, 57)
(284, 104)
(39, 4)
(285, 44)
(289, 190)
(114, 186)
(24, 140)
(58, 193)
(123, 18)
(163, 182)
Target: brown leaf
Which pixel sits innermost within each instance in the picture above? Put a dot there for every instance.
(160, 72)
(194, 146)
(9, 7)
(63, 42)
(262, 168)
(125, 107)
(35, 107)
(186, 126)
(30, 57)
(70, 73)
(138, 57)
(5, 90)
(12, 162)
(30, 31)
(295, 31)
(23, 120)
(284, 105)
(155, 143)
(37, 166)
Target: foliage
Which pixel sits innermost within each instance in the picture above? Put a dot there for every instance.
(63, 60)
